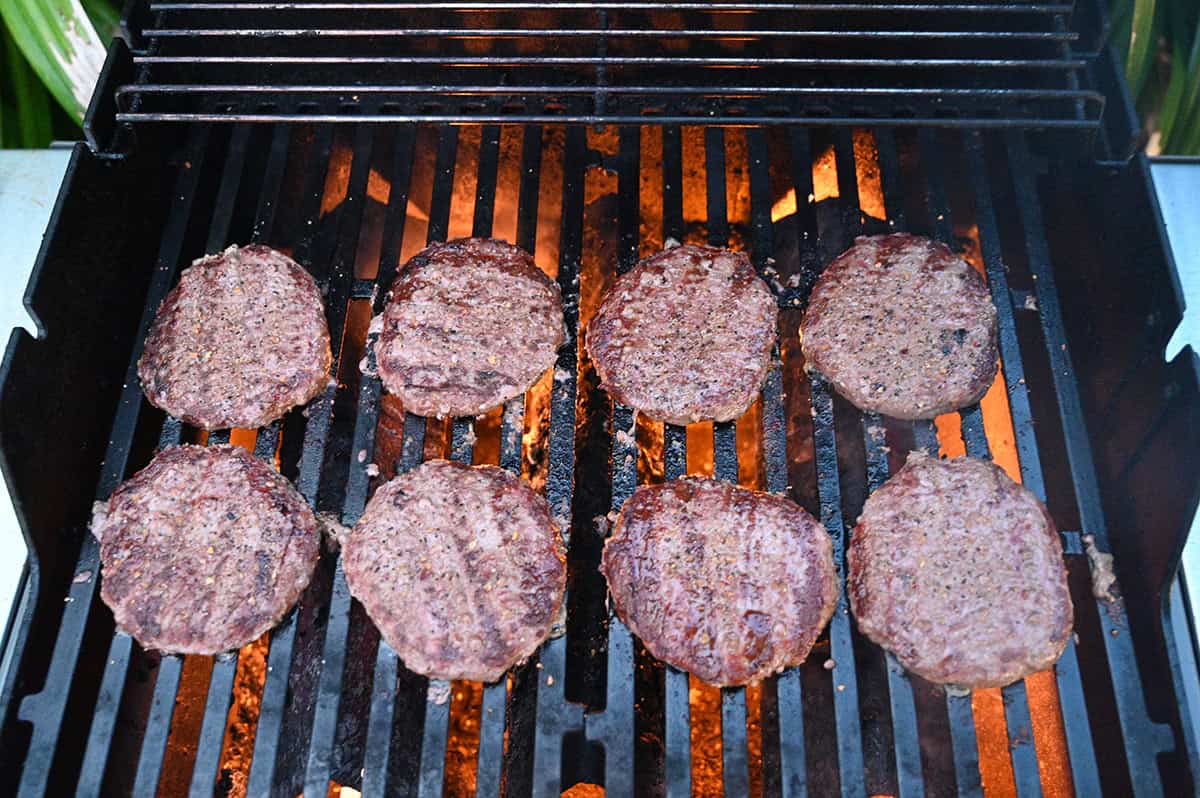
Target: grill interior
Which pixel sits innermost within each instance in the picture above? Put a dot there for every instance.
(322, 703)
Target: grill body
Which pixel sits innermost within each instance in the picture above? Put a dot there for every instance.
(353, 165)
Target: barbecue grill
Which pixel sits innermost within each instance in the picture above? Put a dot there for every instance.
(349, 134)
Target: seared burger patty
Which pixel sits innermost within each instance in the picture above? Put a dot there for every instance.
(204, 549)
(686, 335)
(469, 324)
(240, 341)
(958, 571)
(901, 326)
(461, 568)
(726, 583)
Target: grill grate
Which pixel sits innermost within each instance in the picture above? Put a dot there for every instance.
(913, 63)
(527, 725)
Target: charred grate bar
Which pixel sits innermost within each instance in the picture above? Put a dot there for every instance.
(818, 731)
(972, 65)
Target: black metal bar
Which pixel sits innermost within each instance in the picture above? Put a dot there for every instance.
(264, 216)
(377, 756)
(1022, 753)
(714, 172)
(730, 120)
(130, 89)
(612, 33)
(91, 773)
(333, 657)
(845, 669)
(937, 8)
(1073, 708)
(788, 700)
(45, 708)
(443, 184)
(963, 742)
(485, 187)
(615, 727)
(231, 179)
(490, 761)
(219, 437)
(380, 721)
(1143, 737)
(554, 715)
(433, 739)
(906, 744)
(283, 638)
(906, 741)
(212, 729)
(531, 169)
(677, 709)
(735, 768)
(844, 672)
(621, 60)
(677, 714)
(158, 726)
(171, 434)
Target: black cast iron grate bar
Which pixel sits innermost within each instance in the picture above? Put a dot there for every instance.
(615, 727)
(611, 33)
(336, 284)
(787, 689)
(959, 710)
(385, 687)
(937, 8)
(436, 727)
(553, 714)
(1073, 707)
(329, 693)
(1143, 738)
(847, 719)
(224, 668)
(212, 730)
(735, 768)
(45, 709)
(1019, 726)
(677, 707)
(154, 744)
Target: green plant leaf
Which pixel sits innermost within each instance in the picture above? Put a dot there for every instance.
(32, 103)
(1174, 104)
(105, 17)
(60, 44)
(1141, 45)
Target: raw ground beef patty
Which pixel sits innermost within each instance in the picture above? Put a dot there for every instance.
(461, 568)
(901, 326)
(469, 324)
(958, 571)
(686, 335)
(204, 549)
(726, 583)
(240, 341)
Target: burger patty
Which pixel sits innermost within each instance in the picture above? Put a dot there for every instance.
(461, 568)
(958, 571)
(469, 324)
(901, 326)
(686, 335)
(240, 341)
(204, 549)
(726, 583)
